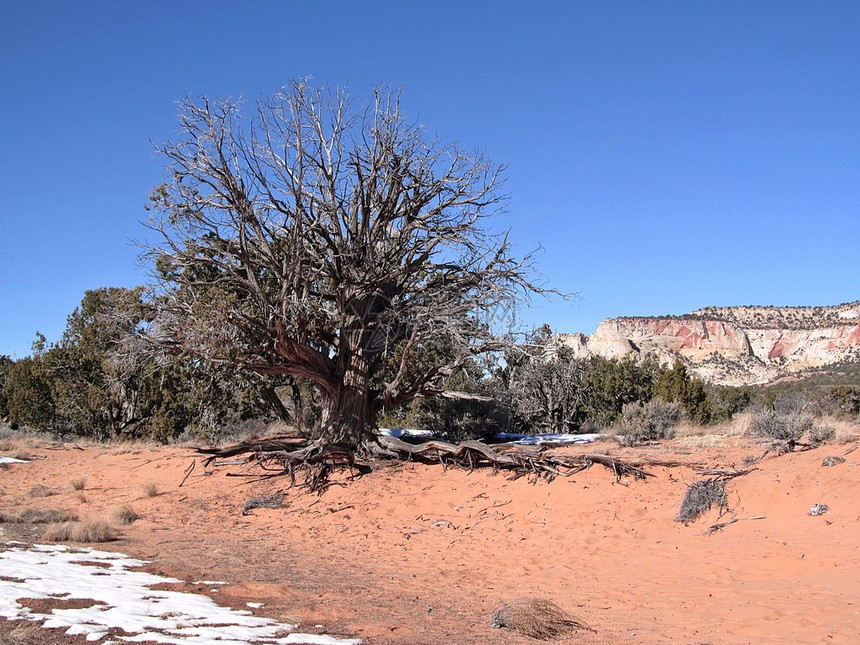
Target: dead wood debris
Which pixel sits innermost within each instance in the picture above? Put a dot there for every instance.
(188, 472)
(720, 526)
(832, 461)
(537, 465)
(312, 468)
(537, 618)
(818, 509)
(700, 497)
(269, 501)
(724, 473)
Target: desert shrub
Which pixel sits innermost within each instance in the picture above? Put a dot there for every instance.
(126, 515)
(780, 426)
(700, 497)
(90, 531)
(844, 399)
(480, 416)
(79, 483)
(27, 392)
(152, 489)
(543, 386)
(821, 434)
(459, 420)
(649, 421)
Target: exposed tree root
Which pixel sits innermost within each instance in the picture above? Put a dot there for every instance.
(311, 463)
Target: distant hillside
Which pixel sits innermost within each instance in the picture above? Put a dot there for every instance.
(734, 345)
(783, 317)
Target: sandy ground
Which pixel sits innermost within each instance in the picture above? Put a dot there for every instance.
(416, 554)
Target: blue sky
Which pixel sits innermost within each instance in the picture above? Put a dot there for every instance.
(736, 179)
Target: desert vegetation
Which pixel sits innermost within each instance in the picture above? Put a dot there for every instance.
(535, 388)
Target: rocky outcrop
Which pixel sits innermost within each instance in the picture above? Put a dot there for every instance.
(733, 345)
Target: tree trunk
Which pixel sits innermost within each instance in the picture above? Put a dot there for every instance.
(348, 414)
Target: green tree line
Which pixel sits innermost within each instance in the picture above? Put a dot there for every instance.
(104, 380)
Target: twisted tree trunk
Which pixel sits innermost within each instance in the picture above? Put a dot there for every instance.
(349, 413)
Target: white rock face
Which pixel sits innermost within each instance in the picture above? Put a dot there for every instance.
(733, 345)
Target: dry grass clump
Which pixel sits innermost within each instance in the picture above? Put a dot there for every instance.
(43, 516)
(16, 634)
(22, 454)
(740, 424)
(844, 431)
(152, 489)
(698, 442)
(79, 483)
(12, 444)
(700, 497)
(537, 618)
(126, 515)
(89, 531)
(40, 491)
(129, 446)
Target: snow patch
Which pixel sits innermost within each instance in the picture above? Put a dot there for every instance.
(404, 432)
(538, 439)
(519, 439)
(124, 600)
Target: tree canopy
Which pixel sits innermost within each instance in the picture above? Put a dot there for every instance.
(341, 245)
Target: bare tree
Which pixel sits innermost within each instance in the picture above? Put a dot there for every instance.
(343, 246)
(544, 384)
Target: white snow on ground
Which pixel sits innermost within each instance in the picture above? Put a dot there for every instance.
(125, 600)
(405, 432)
(521, 439)
(535, 439)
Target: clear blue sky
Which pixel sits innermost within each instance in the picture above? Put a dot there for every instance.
(736, 180)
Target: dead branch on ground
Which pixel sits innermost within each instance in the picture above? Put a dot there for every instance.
(720, 526)
(724, 473)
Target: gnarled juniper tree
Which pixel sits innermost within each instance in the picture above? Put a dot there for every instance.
(339, 245)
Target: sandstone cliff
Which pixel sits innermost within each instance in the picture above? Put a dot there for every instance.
(733, 345)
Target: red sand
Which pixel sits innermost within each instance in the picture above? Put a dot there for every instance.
(415, 554)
